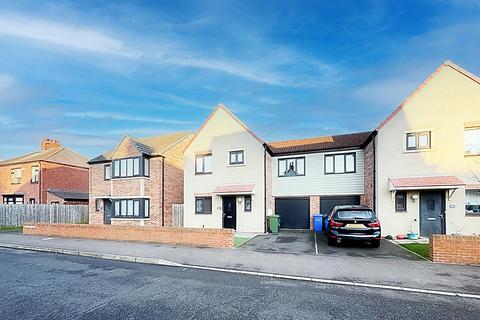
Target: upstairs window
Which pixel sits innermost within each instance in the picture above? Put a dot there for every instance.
(35, 174)
(130, 167)
(203, 164)
(472, 141)
(236, 157)
(16, 176)
(107, 171)
(418, 140)
(340, 163)
(400, 201)
(290, 167)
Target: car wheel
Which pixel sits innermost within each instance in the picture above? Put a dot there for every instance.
(331, 242)
(375, 243)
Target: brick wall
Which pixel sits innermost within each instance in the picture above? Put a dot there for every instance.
(369, 181)
(63, 177)
(214, 238)
(455, 249)
(314, 208)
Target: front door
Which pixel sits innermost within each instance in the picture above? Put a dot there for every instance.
(432, 213)
(107, 211)
(229, 212)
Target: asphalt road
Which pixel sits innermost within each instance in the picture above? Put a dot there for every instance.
(36, 285)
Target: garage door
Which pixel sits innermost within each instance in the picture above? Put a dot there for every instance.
(294, 213)
(327, 203)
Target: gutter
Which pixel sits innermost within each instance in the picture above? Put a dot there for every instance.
(163, 191)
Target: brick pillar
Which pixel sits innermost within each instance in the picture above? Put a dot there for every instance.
(314, 208)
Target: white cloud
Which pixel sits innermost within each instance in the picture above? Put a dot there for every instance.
(78, 37)
(123, 117)
(7, 122)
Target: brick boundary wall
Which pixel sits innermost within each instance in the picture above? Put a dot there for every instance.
(212, 238)
(455, 249)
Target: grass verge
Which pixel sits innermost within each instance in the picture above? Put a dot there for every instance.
(419, 248)
(239, 240)
(2, 229)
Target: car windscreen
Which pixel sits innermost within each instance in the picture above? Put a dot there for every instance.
(354, 214)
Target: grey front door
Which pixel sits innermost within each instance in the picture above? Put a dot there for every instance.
(432, 213)
(108, 210)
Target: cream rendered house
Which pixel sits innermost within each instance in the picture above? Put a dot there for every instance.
(428, 158)
(225, 168)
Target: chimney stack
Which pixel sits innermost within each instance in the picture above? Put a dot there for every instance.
(47, 144)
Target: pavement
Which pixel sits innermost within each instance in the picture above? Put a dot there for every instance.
(386, 266)
(38, 285)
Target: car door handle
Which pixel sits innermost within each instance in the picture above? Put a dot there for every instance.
(229, 217)
(431, 219)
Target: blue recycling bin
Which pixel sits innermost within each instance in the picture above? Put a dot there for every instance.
(317, 223)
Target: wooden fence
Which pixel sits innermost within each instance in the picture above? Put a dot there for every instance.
(177, 219)
(15, 215)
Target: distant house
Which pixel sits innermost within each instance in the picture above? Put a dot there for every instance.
(428, 158)
(54, 174)
(138, 181)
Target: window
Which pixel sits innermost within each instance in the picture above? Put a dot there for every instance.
(248, 203)
(146, 167)
(35, 174)
(13, 199)
(31, 201)
(400, 201)
(472, 201)
(418, 140)
(16, 176)
(131, 208)
(203, 205)
(130, 167)
(236, 157)
(107, 171)
(341, 163)
(472, 141)
(291, 167)
(55, 202)
(203, 164)
(147, 208)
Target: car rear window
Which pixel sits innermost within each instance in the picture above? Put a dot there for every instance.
(355, 214)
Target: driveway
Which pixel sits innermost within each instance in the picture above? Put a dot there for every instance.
(302, 242)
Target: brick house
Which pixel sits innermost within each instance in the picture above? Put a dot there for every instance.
(138, 182)
(54, 174)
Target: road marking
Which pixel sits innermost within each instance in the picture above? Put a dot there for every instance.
(235, 271)
(316, 246)
(46, 239)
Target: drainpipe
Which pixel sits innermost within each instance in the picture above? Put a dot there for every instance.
(163, 192)
(374, 140)
(265, 188)
(40, 182)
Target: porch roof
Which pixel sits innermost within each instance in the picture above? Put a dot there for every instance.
(235, 189)
(425, 183)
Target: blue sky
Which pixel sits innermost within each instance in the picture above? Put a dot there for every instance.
(88, 72)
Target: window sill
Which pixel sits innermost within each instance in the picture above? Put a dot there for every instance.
(129, 219)
(129, 178)
(34, 182)
(203, 213)
(418, 150)
(202, 173)
(472, 214)
(466, 155)
(236, 165)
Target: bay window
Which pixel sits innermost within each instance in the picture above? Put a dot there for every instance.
(130, 167)
(131, 208)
